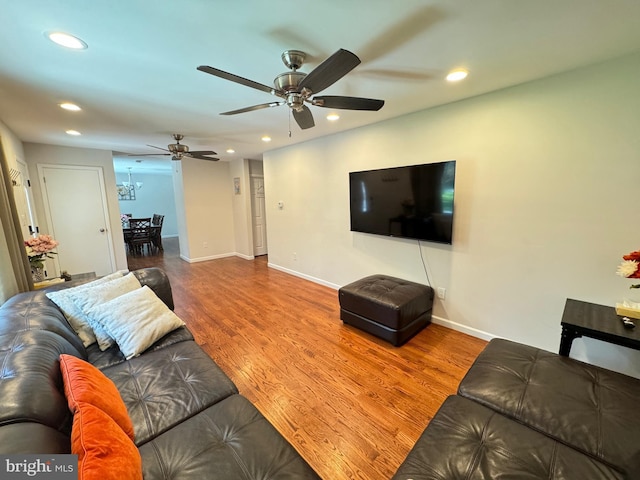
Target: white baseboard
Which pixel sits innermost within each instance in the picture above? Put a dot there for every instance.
(215, 257)
(474, 332)
(302, 275)
(205, 259)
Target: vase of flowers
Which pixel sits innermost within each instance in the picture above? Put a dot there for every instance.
(630, 268)
(38, 250)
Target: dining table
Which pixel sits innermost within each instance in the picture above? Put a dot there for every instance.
(155, 234)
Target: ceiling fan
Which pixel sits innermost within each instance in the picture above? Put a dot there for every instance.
(178, 151)
(296, 88)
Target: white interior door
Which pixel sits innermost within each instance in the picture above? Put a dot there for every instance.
(259, 217)
(76, 209)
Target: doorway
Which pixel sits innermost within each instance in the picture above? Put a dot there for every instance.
(259, 219)
(75, 205)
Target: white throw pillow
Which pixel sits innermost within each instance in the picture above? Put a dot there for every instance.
(64, 299)
(104, 293)
(136, 320)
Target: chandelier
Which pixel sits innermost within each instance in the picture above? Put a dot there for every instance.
(127, 191)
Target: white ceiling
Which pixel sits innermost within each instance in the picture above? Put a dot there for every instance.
(137, 82)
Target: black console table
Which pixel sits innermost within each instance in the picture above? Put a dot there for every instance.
(595, 321)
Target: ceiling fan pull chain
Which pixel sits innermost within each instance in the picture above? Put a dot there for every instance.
(289, 123)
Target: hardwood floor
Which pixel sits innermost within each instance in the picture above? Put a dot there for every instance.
(352, 405)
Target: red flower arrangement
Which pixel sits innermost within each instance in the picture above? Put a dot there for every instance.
(630, 267)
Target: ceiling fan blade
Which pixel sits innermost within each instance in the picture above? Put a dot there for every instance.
(202, 152)
(147, 154)
(348, 103)
(304, 118)
(235, 78)
(201, 157)
(330, 71)
(159, 148)
(252, 108)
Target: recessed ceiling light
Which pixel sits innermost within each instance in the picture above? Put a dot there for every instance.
(67, 40)
(70, 106)
(266, 138)
(332, 117)
(230, 150)
(457, 75)
(73, 132)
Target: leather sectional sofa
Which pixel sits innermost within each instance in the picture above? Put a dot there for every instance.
(525, 413)
(188, 418)
(520, 412)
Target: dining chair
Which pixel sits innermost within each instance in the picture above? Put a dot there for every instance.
(156, 230)
(139, 235)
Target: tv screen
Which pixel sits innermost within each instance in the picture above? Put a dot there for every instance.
(410, 202)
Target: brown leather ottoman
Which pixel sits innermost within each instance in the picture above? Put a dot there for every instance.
(387, 307)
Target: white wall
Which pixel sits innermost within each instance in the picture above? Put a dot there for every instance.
(204, 207)
(37, 153)
(546, 204)
(155, 196)
(13, 150)
(241, 201)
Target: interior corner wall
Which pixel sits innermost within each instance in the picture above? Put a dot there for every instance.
(545, 205)
(11, 145)
(241, 200)
(205, 213)
(37, 153)
(12, 149)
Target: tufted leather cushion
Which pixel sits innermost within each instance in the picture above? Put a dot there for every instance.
(387, 307)
(34, 311)
(156, 279)
(30, 381)
(27, 437)
(589, 408)
(387, 300)
(232, 440)
(163, 387)
(466, 440)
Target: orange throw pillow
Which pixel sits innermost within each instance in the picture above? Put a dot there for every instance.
(84, 383)
(104, 451)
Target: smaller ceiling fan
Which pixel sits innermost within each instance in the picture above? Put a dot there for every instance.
(297, 88)
(178, 151)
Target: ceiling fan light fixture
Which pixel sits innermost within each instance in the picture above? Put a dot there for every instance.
(74, 133)
(457, 75)
(332, 117)
(230, 150)
(266, 138)
(67, 40)
(72, 107)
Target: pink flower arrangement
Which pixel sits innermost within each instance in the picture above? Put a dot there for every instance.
(39, 248)
(630, 267)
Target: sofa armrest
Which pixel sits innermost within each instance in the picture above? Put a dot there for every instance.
(157, 281)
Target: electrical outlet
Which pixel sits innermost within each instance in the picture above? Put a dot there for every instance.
(295, 257)
(442, 292)
(205, 244)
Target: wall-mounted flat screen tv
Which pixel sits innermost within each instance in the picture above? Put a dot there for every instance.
(414, 201)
